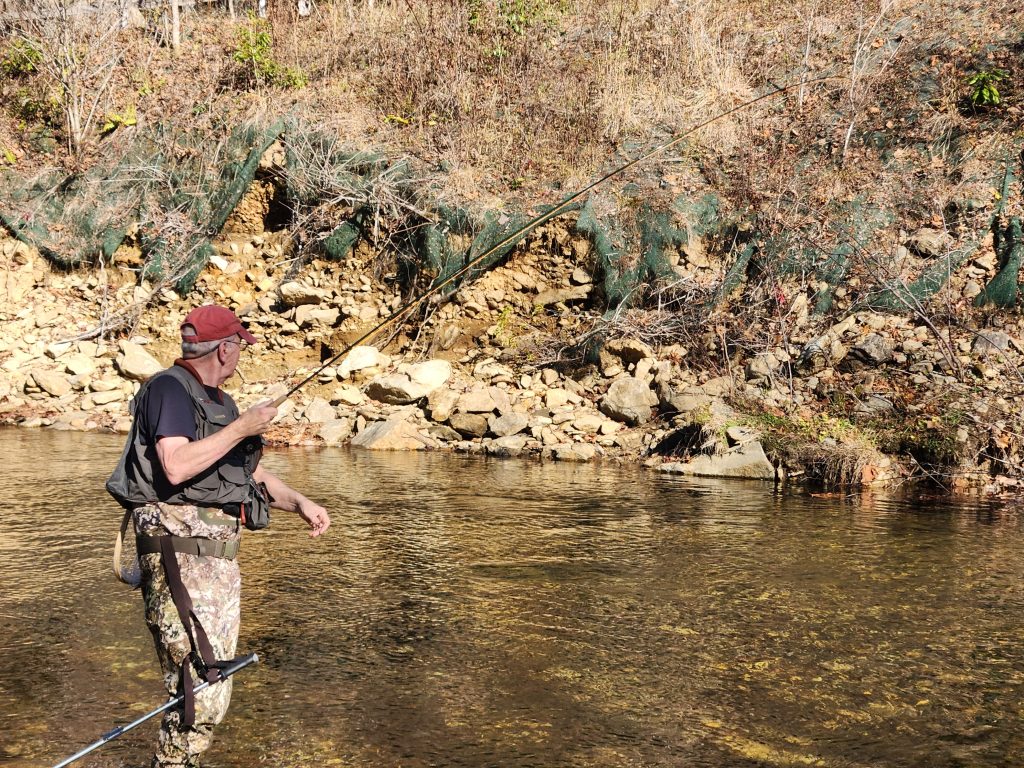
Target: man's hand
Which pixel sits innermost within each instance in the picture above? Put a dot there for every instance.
(315, 516)
(257, 419)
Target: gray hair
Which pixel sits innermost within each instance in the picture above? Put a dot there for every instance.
(190, 350)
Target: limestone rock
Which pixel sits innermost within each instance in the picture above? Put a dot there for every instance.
(468, 424)
(51, 382)
(295, 293)
(744, 461)
(392, 435)
(441, 403)
(630, 401)
(335, 431)
(508, 424)
(359, 358)
(929, 242)
(135, 363)
(319, 411)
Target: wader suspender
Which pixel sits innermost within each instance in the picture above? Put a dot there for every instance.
(202, 652)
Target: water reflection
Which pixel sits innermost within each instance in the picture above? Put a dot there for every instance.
(465, 612)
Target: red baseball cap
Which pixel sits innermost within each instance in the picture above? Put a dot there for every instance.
(212, 323)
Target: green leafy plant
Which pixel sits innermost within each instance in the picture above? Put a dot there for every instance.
(984, 92)
(255, 53)
(29, 109)
(115, 120)
(20, 58)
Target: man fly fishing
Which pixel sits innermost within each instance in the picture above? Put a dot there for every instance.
(189, 479)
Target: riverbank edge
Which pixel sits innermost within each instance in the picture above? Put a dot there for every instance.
(772, 420)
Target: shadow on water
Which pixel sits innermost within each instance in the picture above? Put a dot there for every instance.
(466, 612)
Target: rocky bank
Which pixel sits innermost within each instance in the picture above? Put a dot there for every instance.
(871, 399)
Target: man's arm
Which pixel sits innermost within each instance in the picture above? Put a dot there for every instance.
(290, 500)
(182, 459)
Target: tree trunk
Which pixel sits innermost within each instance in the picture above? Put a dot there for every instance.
(175, 25)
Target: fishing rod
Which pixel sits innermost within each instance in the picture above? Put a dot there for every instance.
(536, 221)
(227, 672)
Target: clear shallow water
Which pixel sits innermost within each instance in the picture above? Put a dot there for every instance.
(465, 612)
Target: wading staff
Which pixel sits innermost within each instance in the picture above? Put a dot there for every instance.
(536, 221)
(227, 672)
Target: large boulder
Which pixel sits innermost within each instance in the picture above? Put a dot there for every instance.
(630, 401)
(469, 424)
(441, 403)
(392, 435)
(335, 431)
(508, 424)
(295, 293)
(411, 383)
(360, 357)
(747, 460)
(51, 382)
(135, 363)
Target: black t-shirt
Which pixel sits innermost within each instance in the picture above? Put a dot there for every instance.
(169, 410)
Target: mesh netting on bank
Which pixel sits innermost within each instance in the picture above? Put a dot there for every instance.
(171, 192)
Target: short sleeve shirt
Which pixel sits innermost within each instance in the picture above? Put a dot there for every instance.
(169, 410)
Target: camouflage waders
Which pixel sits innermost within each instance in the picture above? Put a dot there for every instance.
(214, 584)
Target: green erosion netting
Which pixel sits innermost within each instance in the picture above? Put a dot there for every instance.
(622, 273)
(176, 190)
(793, 254)
(1008, 243)
(176, 187)
(372, 193)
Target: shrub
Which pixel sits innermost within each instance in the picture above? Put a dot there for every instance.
(985, 93)
(255, 53)
(20, 59)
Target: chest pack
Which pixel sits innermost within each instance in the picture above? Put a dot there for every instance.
(227, 484)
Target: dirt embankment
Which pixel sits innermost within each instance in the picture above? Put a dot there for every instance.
(822, 287)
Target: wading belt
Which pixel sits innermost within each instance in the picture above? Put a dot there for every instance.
(202, 652)
(150, 545)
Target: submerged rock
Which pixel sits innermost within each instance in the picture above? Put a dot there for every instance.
(747, 460)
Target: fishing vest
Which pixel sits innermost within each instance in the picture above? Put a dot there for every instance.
(139, 479)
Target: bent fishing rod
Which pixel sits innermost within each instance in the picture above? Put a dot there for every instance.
(227, 672)
(535, 222)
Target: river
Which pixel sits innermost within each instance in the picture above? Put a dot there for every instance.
(472, 612)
